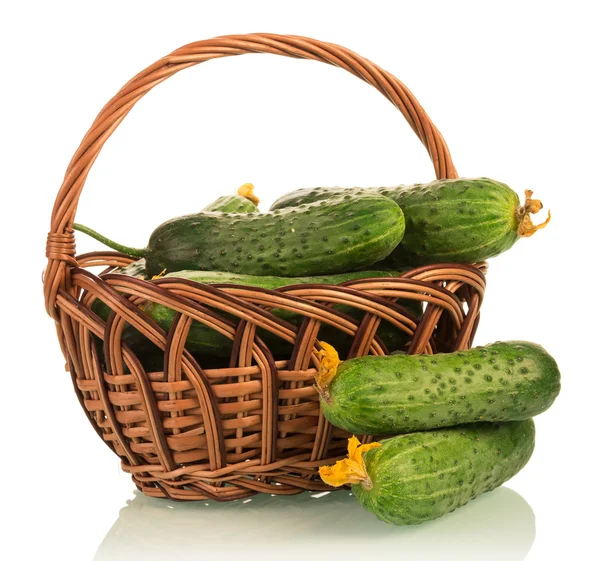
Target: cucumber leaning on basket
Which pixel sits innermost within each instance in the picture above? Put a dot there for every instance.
(504, 381)
(447, 220)
(416, 477)
(337, 235)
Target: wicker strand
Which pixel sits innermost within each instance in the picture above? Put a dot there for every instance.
(61, 247)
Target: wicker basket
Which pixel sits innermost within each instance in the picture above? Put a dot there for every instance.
(252, 424)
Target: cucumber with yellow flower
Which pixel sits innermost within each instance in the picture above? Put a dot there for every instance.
(504, 381)
(416, 477)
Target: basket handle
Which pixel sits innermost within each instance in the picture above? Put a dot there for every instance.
(60, 248)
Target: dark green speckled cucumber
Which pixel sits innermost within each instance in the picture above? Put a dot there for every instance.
(340, 234)
(447, 220)
(421, 476)
(504, 381)
(460, 220)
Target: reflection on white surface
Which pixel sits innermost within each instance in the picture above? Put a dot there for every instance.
(498, 526)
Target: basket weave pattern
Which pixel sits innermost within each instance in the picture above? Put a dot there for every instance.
(253, 424)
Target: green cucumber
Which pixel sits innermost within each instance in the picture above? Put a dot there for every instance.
(135, 269)
(231, 203)
(340, 234)
(417, 477)
(460, 221)
(204, 340)
(504, 381)
(447, 220)
(244, 201)
(272, 282)
(307, 195)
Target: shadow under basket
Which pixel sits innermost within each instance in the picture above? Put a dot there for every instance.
(191, 426)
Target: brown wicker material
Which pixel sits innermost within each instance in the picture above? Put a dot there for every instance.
(250, 424)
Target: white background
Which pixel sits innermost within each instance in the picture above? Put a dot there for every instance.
(513, 88)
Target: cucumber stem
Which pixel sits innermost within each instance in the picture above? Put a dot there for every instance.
(350, 470)
(526, 227)
(247, 191)
(131, 251)
(367, 484)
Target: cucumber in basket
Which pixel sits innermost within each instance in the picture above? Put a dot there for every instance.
(136, 269)
(447, 220)
(244, 201)
(413, 478)
(340, 234)
(204, 340)
(397, 394)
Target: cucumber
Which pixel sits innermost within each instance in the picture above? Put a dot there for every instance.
(244, 201)
(136, 269)
(460, 221)
(204, 340)
(231, 203)
(272, 282)
(504, 381)
(447, 220)
(413, 478)
(307, 195)
(340, 234)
